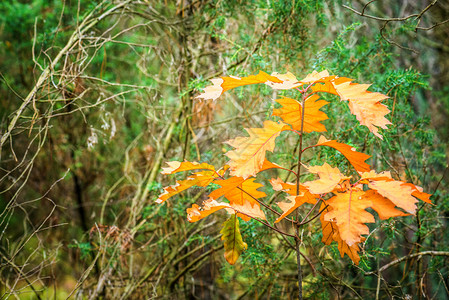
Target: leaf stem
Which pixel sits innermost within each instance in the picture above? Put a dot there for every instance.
(310, 211)
(317, 215)
(264, 223)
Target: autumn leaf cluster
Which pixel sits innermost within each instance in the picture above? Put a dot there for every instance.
(342, 199)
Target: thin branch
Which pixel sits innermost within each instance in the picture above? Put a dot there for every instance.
(379, 18)
(419, 254)
(265, 223)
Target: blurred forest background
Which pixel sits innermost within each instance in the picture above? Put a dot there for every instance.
(96, 95)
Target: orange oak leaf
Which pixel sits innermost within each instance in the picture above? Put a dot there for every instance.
(356, 159)
(396, 191)
(241, 194)
(248, 157)
(329, 179)
(248, 210)
(348, 211)
(181, 185)
(223, 84)
(373, 175)
(293, 203)
(365, 105)
(196, 213)
(383, 206)
(331, 233)
(418, 193)
(176, 166)
(402, 194)
(288, 187)
(327, 85)
(328, 228)
(289, 81)
(316, 77)
(269, 165)
(351, 251)
(279, 185)
(291, 113)
(202, 178)
(238, 190)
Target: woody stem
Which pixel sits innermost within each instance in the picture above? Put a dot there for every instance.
(298, 178)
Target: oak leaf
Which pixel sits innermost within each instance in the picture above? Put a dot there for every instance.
(279, 185)
(331, 233)
(402, 194)
(365, 105)
(223, 84)
(418, 193)
(176, 166)
(356, 159)
(233, 242)
(169, 191)
(203, 178)
(291, 113)
(289, 81)
(383, 206)
(294, 201)
(242, 195)
(348, 211)
(329, 179)
(196, 213)
(248, 210)
(396, 191)
(238, 190)
(248, 157)
(316, 77)
(327, 86)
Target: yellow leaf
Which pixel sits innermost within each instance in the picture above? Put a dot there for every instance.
(291, 113)
(233, 242)
(329, 179)
(197, 179)
(176, 166)
(248, 157)
(316, 77)
(223, 84)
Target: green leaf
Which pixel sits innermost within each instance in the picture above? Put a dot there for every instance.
(233, 242)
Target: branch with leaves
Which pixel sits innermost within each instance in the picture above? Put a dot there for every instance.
(343, 200)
